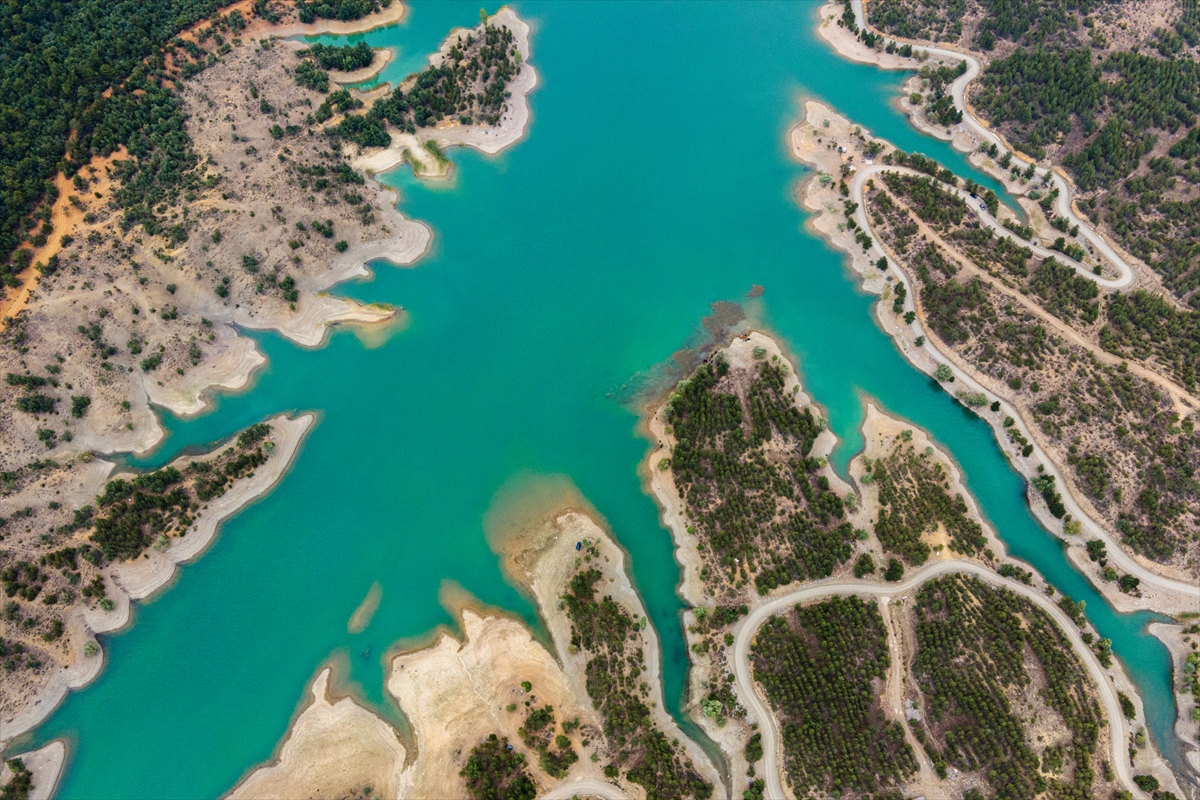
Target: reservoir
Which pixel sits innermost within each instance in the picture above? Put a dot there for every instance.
(564, 273)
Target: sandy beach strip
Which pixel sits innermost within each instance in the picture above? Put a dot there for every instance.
(1181, 646)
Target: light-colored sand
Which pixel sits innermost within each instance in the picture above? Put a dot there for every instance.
(46, 764)
(969, 134)
(335, 748)
(383, 56)
(850, 47)
(144, 576)
(456, 693)
(544, 561)
(514, 123)
(393, 14)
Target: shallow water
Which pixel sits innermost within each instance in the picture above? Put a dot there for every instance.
(655, 181)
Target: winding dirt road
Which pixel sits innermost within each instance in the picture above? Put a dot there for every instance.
(985, 217)
(1117, 553)
(746, 629)
(1063, 206)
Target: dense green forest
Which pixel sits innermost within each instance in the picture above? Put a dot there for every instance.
(1118, 433)
(494, 772)
(756, 519)
(820, 667)
(59, 58)
(132, 514)
(346, 58)
(343, 10)
(973, 643)
(610, 638)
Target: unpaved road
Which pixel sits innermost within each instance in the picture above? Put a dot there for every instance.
(589, 788)
(958, 90)
(746, 629)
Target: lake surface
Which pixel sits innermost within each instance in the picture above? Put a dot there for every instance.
(655, 181)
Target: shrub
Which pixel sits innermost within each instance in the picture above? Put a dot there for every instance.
(895, 571)
(79, 406)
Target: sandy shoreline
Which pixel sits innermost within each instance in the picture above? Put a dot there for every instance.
(383, 57)
(334, 748)
(1173, 637)
(457, 689)
(456, 692)
(139, 579)
(46, 764)
(392, 15)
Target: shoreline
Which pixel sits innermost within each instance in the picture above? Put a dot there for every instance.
(46, 763)
(660, 485)
(824, 222)
(394, 14)
(1171, 635)
(820, 202)
(745, 628)
(454, 689)
(383, 57)
(132, 581)
(545, 577)
(851, 48)
(232, 369)
(731, 737)
(453, 686)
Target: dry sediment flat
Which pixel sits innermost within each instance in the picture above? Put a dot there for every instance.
(335, 748)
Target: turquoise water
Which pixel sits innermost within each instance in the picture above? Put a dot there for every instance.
(655, 181)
